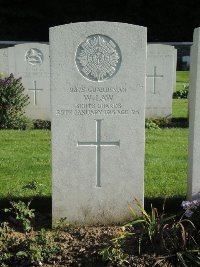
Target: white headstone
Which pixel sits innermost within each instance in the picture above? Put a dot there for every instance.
(98, 97)
(194, 120)
(175, 66)
(4, 61)
(11, 60)
(159, 80)
(32, 64)
(186, 60)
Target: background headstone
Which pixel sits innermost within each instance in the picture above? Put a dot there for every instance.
(194, 120)
(159, 80)
(186, 62)
(98, 99)
(32, 64)
(11, 60)
(4, 61)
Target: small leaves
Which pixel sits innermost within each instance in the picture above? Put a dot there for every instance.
(22, 213)
(12, 103)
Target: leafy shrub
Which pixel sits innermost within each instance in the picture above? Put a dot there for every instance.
(23, 214)
(151, 124)
(29, 249)
(157, 123)
(171, 238)
(182, 94)
(41, 124)
(12, 104)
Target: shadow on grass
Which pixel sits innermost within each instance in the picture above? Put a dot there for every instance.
(43, 208)
(178, 123)
(171, 205)
(41, 205)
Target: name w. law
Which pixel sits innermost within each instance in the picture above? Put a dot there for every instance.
(99, 98)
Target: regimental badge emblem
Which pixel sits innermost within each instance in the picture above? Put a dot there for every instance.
(98, 58)
(34, 56)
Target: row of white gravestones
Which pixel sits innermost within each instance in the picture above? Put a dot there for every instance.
(160, 80)
(194, 119)
(31, 62)
(98, 109)
(98, 101)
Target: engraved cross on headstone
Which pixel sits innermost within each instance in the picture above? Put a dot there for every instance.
(98, 144)
(35, 92)
(154, 76)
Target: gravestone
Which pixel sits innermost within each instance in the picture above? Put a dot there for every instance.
(11, 60)
(174, 68)
(159, 80)
(194, 120)
(31, 62)
(4, 62)
(98, 99)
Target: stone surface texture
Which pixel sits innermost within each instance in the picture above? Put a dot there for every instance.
(31, 62)
(4, 61)
(159, 80)
(194, 120)
(97, 126)
(175, 66)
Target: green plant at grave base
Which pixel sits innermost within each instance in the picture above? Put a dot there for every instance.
(41, 124)
(42, 247)
(34, 186)
(62, 225)
(172, 238)
(182, 94)
(115, 253)
(150, 124)
(29, 249)
(12, 104)
(152, 226)
(157, 123)
(6, 242)
(23, 214)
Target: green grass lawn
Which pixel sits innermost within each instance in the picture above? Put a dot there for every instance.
(166, 162)
(182, 79)
(25, 156)
(180, 108)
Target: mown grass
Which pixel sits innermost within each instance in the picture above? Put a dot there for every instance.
(166, 162)
(180, 108)
(182, 79)
(25, 156)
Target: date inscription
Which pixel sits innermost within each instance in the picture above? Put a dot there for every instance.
(98, 101)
